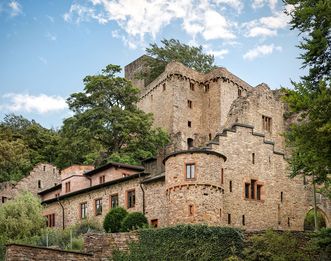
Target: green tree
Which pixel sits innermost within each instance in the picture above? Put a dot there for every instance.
(21, 220)
(173, 50)
(310, 136)
(113, 219)
(106, 113)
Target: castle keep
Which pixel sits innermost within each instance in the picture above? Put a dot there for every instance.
(225, 164)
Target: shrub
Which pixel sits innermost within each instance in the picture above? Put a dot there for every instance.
(86, 226)
(321, 243)
(113, 219)
(134, 221)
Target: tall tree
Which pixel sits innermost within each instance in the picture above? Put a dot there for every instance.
(173, 50)
(106, 113)
(310, 136)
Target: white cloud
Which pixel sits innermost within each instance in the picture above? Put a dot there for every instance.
(144, 18)
(261, 3)
(260, 31)
(29, 103)
(219, 53)
(261, 50)
(15, 8)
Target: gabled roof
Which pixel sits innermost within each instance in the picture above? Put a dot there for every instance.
(56, 187)
(116, 165)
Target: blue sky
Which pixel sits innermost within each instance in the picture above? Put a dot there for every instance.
(48, 47)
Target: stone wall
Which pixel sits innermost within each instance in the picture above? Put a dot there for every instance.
(15, 252)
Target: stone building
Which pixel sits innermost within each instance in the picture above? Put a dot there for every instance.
(42, 176)
(225, 164)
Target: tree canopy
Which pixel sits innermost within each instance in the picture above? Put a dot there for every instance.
(310, 137)
(173, 50)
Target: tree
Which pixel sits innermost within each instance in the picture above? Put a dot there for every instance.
(310, 136)
(106, 113)
(173, 50)
(113, 220)
(21, 220)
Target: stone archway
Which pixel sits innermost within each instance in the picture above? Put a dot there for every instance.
(309, 224)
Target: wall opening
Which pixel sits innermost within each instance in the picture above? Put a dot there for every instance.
(309, 223)
(189, 143)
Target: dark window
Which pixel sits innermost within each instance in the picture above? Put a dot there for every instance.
(164, 86)
(3, 199)
(189, 143)
(114, 201)
(288, 222)
(266, 123)
(247, 188)
(258, 192)
(98, 206)
(50, 220)
(209, 136)
(230, 185)
(189, 104)
(304, 180)
(222, 176)
(253, 183)
(229, 218)
(190, 171)
(253, 158)
(192, 86)
(243, 220)
(83, 210)
(102, 179)
(239, 92)
(44, 168)
(67, 184)
(281, 196)
(220, 213)
(191, 210)
(131, 199)
(57, 195)
(189, 124)
(206, 87)
(155, 223)
(39, 184)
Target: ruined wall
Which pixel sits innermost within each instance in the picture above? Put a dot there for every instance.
(196, 200)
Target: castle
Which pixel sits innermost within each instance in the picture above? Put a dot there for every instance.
(225, 164)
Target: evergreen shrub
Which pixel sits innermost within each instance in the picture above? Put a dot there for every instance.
(134, 221)
(113, 219)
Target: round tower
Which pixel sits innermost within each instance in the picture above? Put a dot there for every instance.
(194, 187)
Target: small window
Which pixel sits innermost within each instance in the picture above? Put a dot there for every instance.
(220, 213)
(114, 201)
(44, 168)
(190, 171)
(50, 220)
(67, 187)
(253, 184)
(209, 136)
(230, 185)
(39, 184)
(266, 123)
(102, 179)
(83, 210)
(229, 219)
(189, 124)
(3, 199)
(189, 143)
(239, 92)
(192, 86)
(288, 222)
(98, 206)
(164, 86)
(258, 192)
(253, 158)
(222, 176)
(247, 189)
(206, 87)
(131, 199)
(304, 180)
(281, 196)
(189, 104)
(155, 223)
(243, 220)
(57, 195)
(191, 210)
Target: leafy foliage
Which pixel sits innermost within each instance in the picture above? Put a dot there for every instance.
(310, 223)
(173, 50)
(134, 221)
(185, 242)
(113, 219)
(321, 243)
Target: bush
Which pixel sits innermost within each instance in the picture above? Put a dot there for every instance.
(185, 242)
(113, 219)
(86, 226)
(321, 243)
(134, 221)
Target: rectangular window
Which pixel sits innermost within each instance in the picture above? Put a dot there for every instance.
(266, 123)
(281, 196)
(189, 104)
(39, 184)
(164, 86)
(230, 185)
(131, 199)
(83, 210)
(50, 220)
(190, 171)
(155, 223)
(189, 124)
(114, 201)
(239, 92)
(247, 189)
(229, 219)
(98, 206)
(222, 176)
(192, 86)
(102, 179)
(253, 158)
(243, 220)
(253, 183)
(191, 210)
(67, 186)
(206, 87)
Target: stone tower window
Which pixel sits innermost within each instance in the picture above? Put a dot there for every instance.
(154, 223)
(209, 136)
(39, 184)
(44, 168)
(239, 92)
(258, 192)
(189, 143)
(206, 87)
(191, 210)
(164, 86)
(190, 171)
(192, 86)
(229, 219)
(281, 196)
(253, 190)
(189, 124)
(243, 220)
(189, 104)
(222, 176)
(230, 185)
(253, 158)
(220, 213)
(266, 123)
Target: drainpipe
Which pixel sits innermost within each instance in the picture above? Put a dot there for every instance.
(58, 200)
(143, 191)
